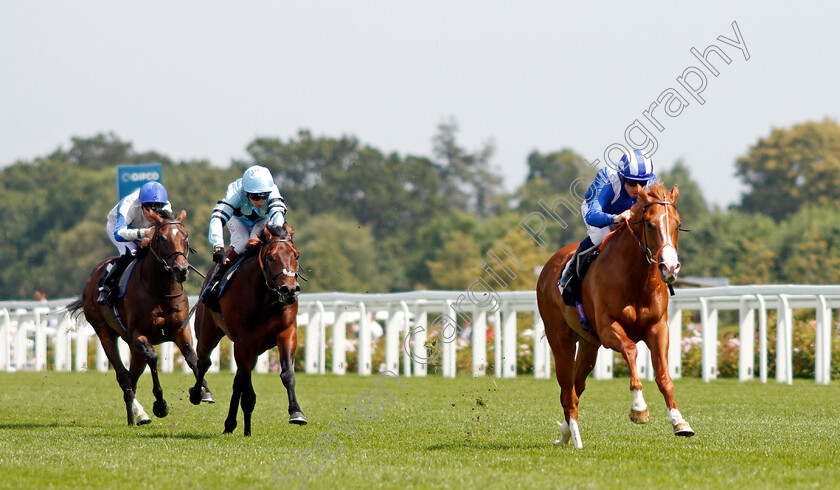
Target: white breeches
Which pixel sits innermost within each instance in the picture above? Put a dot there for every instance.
(596, 234)
(240, 233)
(121, 246)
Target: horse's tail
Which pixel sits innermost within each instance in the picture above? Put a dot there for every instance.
(75, 308)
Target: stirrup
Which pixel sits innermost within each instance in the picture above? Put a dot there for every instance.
(104, 295)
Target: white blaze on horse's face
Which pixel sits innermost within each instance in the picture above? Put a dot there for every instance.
(669, 262)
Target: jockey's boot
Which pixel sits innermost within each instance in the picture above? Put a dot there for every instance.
(211, 292)
(570, 271)
(113, 271)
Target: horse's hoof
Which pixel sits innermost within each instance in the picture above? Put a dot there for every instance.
(297, 418)
(683, 429)
(247, 433)
(160, 409)
(206, 396)
(195, 395)
(639, 417)
(229, 428)
(143, 419)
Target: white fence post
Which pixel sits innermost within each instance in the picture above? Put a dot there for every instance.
(784, 341)
(674, 341)
(709, 319)
(746, 336)
(479, 342)
(509, 342)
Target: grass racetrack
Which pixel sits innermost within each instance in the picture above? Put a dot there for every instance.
(68, 430)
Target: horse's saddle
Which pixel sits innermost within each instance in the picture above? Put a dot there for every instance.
(582, 261)
(228, 275)
(125, 277)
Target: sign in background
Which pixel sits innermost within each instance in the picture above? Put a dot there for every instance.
(131, 177)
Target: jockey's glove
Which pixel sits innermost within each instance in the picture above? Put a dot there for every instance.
(218, 254)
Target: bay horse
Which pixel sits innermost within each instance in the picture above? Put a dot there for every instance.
(258, 311)
(153, 310)
(625, 296)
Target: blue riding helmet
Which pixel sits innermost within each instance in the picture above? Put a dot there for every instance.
(257, 180)
(153, 192)
(635, 166)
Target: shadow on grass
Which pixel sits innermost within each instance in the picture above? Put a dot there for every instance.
(178, 436)
(483, 445)
(34, 425)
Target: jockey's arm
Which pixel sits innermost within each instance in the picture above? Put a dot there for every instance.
(595, 215)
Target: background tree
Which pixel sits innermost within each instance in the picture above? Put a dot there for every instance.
(790, 168)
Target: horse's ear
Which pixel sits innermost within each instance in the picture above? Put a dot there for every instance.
(289, 230)
(181, 217)
(675, 193)
(643, 194)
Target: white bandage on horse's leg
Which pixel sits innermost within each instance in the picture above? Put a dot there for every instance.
(638, 404)
(675, 417)
(575, 430)
(565, 434)
(137, 408)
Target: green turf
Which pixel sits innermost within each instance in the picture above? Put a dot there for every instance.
(68, 430)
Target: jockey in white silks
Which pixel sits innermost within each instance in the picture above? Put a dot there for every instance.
(129, 223)
(250, 204)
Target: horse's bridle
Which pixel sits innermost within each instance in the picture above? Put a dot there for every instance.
(163, 260)
(270, 281)
(652, 258)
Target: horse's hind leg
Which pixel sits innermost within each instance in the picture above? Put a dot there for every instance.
(587, 354)
(183, 339)
(657, 341)
(208, 335)
(108, 339)
(135, 369)
(563, 347)
(230, 421)
(249, 400)
(142, 345)
(287, 344)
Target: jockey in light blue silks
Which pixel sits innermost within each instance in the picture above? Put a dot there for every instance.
(250, 204)
(129, 223)
(607, 204)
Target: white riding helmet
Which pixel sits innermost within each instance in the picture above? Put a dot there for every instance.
(257, 179)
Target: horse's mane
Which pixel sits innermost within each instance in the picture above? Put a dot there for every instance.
(166, 214)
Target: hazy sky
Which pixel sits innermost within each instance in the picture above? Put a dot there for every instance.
(200, 80)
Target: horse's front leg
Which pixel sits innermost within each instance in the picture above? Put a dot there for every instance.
(287, 343)
(657, 341)
(616, 339)
(147, 350)
(136, 367)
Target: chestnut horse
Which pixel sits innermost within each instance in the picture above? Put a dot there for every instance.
(625, 296)
(258, 311)
(152, 311)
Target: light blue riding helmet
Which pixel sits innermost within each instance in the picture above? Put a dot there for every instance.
(257, 179)
(153, 192)
(635, 166)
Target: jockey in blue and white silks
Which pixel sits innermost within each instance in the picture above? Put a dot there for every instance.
(129, 222)
(250, 204)
(608, 197)
(607, 204)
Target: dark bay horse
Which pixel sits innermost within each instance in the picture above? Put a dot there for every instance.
(625, 296)
(258, 311)
(152, 311)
